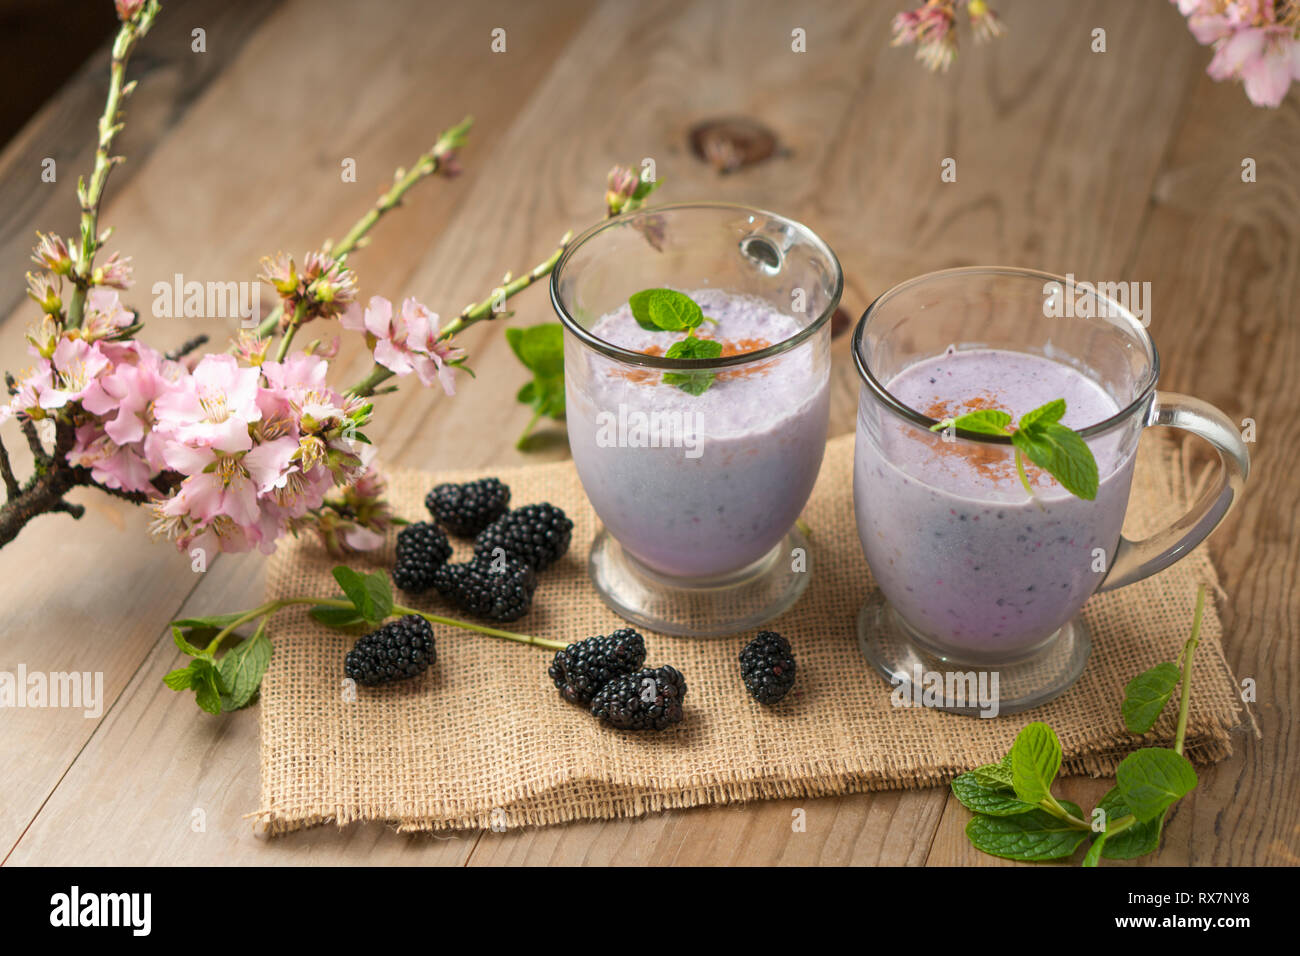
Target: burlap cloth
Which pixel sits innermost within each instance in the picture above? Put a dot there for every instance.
(483, 739)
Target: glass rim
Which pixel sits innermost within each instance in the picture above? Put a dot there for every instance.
(630, 357)
(909, 414)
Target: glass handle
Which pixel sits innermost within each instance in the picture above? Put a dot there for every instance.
(1135, 560)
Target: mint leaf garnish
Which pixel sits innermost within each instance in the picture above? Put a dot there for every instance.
(693, 348)
(696, 383)
(1035, 760)
(1151, 779)
(986, 421)
(1145, 696)
(370, 594)
(994, 776)
(1031, 824)
(242, 667)
(975, 795)
(665, 309)
(1036, 835)
(1042, 439)
(541, 349)
(339, 618)
(1053, 411)
(1133, 841)
(1062, 454)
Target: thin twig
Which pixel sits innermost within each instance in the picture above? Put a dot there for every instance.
(486, 309)
(474, 312)
(7, 470)
(34, 442)
(433, 161)
(187, 347)
(110, 124)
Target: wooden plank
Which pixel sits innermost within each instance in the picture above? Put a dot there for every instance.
(880, 829)
(1222, 258)
(211, 178)
(160, 783)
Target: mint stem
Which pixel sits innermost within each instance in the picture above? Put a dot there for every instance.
(1188, 651)
(270, 607)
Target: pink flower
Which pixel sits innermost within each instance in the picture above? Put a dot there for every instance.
(1263, 58)
(31, 385)
(213, 406)
(931, 28)
(124, 399)
(112, 465)
(1249, 44)
(76, 364)
(105, 314)
(224, 483)
(406, 342)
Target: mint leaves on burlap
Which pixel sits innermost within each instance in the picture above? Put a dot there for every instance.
(1017, 817)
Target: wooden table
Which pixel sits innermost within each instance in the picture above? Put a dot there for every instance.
(1123, 165)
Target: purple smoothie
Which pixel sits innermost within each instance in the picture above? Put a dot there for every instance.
(723, 496)
(980, 571)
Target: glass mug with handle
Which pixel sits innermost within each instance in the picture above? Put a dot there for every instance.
(979, 565)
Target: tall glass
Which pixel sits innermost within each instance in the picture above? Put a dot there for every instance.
(699, 491)
(974, 571)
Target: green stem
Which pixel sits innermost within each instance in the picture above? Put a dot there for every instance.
(270, 607)
(110, 124)
(298, 312)
(1188, 651)
(428, 164)
(1020, 470)
(1049, 804)
(366, 387)
(484, 309)
(1120, 825)
(523, 439)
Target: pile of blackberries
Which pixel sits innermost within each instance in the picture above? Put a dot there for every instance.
(601, 673)
(510, 548)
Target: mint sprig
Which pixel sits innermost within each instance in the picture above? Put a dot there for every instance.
(1040, 437)
(232, 681)
(667, 310)
(1018, 818)
(541, 349)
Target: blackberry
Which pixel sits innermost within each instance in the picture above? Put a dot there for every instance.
(398, 650)
(767, 666)
(536, 534)
(584, 667)
(646, 700)
(499, 591)
(467, 509)
(421, 550)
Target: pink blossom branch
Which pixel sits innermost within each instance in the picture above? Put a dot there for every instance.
(439, 159)
(111, 121)
(474, 312)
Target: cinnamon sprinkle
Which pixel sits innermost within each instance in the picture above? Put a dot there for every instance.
(994, 463)
(729, 347)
